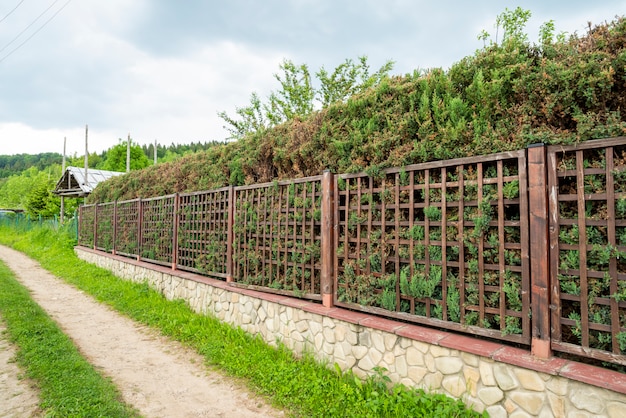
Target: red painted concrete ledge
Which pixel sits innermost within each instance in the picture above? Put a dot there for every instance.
(592, 375)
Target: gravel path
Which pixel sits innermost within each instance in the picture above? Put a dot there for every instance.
(159, 377)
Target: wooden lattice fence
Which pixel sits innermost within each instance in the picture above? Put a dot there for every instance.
(277, 237)
(526, 246)
(588, 248)
(127, 227)
(86, 226)
(156, 240)
(105, 233)
(442, 243)
(203, 232)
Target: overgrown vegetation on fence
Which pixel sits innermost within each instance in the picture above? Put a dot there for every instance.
(588, 248)
(447, 244)
(504, 97)
(444, 243)
(277, 238)
(439, 242)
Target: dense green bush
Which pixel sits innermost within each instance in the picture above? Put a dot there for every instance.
(504, 97)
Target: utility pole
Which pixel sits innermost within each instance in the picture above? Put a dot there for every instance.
(61, 218)
(86, 156)
(128, 154)
(155, 152)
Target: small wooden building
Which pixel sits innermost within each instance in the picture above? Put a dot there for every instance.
(73, 183)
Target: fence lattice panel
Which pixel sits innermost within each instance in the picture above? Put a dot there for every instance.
(127, 228)
(277, 236)
(157, 222)
(203, 232)
(588, 248)
(440, 243)
(86, 227)
(105, 226)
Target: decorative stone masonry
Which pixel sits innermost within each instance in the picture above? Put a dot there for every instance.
(488, 376)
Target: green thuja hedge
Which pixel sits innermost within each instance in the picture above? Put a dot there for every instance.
(504, 97)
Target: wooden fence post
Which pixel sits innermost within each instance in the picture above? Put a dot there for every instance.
(175, 224)
(327, 236)
(78, 215)
(95, 226)
(114, 251)
(139, 222)
(229, 234)
(539, 250)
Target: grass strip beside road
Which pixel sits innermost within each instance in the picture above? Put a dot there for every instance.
(69, 386)
(302, 386)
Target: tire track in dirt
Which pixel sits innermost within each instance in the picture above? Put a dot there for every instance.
(17, 397)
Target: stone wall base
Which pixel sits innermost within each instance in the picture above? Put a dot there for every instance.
(487, 376)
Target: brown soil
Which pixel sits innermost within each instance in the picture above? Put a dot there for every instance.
(159, 377)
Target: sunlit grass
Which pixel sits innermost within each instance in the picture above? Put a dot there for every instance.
(302, 386)
(68, 385)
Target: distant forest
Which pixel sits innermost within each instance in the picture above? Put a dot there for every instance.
(16, 164)
(177, 149)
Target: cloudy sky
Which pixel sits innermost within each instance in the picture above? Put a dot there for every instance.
(162, 69)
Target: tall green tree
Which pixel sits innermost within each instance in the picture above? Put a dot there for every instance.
(347, 79)
(41, 202)
(295, 96)
(249, 119)
(298, 96)
(115, 158)
(94, 160)
(16, 188)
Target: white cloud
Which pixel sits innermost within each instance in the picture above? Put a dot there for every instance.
(162, 70)
(18, 138)
(187, 92)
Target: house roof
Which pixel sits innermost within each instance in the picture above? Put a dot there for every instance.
(73, 183)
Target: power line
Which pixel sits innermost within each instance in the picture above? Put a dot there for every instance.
(14, 9)
(34, 33)
(28, 27)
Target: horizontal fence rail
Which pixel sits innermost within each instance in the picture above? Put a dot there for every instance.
(526, 246)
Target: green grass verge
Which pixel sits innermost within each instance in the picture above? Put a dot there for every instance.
(69, 386)
(302, 386)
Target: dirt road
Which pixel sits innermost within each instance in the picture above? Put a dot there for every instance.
(159, 377)
(17, 397)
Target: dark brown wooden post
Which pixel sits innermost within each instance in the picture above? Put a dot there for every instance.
(539, 250)
(114, 227)
(175, 231)
(230, 210)
(79, 225)
(139, 222)
(327, 232)
(95, 226)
